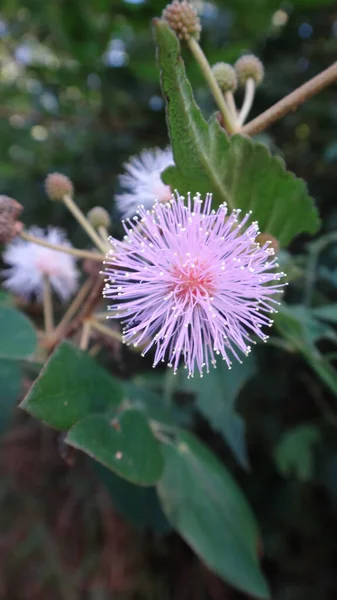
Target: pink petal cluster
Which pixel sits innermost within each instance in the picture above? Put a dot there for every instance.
(192, 282)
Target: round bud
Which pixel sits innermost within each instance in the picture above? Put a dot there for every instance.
(10, 227)
(57, 186)
(249, 67)
(183, 19)
(226, 76)
(263, 238)
(99, 217)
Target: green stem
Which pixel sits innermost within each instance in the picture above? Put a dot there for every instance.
(247, 102)
(213, 84)
(66, 249)
(83, 221)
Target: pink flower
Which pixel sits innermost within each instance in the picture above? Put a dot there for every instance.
(192, 282)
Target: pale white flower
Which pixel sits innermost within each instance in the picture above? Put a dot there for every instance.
(142, 181)
(29, 262)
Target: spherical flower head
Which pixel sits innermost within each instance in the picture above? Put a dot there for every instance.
(226, 76)
(57, 186)
(249, 67)
(142, 181)
(10, 211)
(183, 19)
(99, 217)
(29, 263)
(193, 282)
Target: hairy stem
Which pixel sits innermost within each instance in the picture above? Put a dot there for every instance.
(292, 101)
(85, 335)
(47, 306)
(74, 306)
(106, 330)
(229, 97)
(83, 221)
(68, 250)
(247, 102)
(104, 235)
(212, 82)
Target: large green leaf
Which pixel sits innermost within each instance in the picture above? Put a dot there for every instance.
(294, 451)
(125, 445)
(204, 504)
(70, 386)
(236, 170)
(18, 337)
(10, 388)
(139, 504)
(215, 398)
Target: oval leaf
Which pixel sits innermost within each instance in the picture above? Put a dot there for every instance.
(236, 170)
(204, 504)
(125, 445)
(70, 386)
(18, 337)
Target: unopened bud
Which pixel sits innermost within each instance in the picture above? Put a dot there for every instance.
(226, 76)
(10, 227)
(249, 67)
(99, 217)
(183, 19)
(263, 238)
(57, 186)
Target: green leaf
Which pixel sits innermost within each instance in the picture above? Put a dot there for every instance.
(71, 385)
(139, 505)
(10, 388)
(204, 504)
(326, 313)
(236, 170)
(215, 398)
(18, 337)
(125, 445)
(302, 330)
(294, 452)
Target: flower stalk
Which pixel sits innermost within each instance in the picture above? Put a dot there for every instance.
(66, 249)
(48, 312)
(213, 84)
(247, 102)
(83, 221)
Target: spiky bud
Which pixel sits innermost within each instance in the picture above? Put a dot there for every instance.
(57, 186)
(10, 227)
(99, 217)
(183, 19)
(249, 67)
(262, 238)
(226, 76)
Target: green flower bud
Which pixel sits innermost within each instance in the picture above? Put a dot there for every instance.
(226, 76)
(99, 217)
(249, 67)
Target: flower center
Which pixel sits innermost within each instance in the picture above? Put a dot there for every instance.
(192, 279)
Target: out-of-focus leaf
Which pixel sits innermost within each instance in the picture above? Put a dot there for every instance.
(125, 445)
(294, 452)
(326, 313)
(18, 337)
(302, 330)
(208, 509)
(236, 170)
(10, 388)
(215, 397)
(139, 505)
(70, 386)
